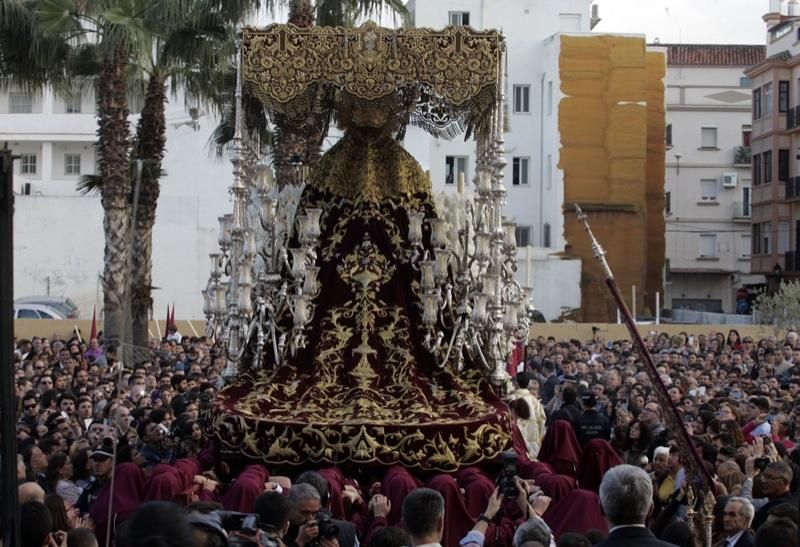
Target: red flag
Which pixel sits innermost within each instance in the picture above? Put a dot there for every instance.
(94, 324)
(172, 317)
(516, 357)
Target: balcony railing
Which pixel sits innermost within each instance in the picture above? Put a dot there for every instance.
(793, 188)
(741, 209)
(792, 262)
(741, 155)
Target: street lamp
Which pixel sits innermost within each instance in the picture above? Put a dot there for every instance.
(678, 157)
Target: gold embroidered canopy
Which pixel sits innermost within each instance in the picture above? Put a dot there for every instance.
(448, 80)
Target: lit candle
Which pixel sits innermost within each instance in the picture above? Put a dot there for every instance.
(427, 276)
(415, 227)
(437, 232)
(442, 261)
(310, 281)
(312, 225)
(479, 309)
(430, 308)
(267, 213)
(461, 183)
(298, 263)
(511, 234)
(490, 284)
(299, 305)
(510, 319)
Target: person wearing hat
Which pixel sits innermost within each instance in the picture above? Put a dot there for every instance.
(101, 464)
(591, 424)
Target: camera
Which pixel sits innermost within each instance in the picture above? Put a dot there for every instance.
(242, 529)
(327, 527)
(761, 463)
(507, 478)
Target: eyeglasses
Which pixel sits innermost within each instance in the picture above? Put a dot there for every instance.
(28, 407)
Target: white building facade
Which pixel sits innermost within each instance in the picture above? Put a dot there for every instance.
(708, 179)
(58, 238)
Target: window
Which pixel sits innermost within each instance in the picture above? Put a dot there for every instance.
(72, 164)
(27, 314)
(549, 98)
(767, 166)
(546, 235)
(756, 104)
(783, 165)
(708, 137)
(522, 99)
(668, 203)
(27, 164)
(767, 99)
(519, 175)
(746, 201)
(783, 96)
(745, 82)
(745, 243)
(756, 239)
(708, 189)
(523, 234)
(668, 136)
(708, 245)
(747, 131)
(72, 104)
(459, 18)
(783, 237)
(549, 171)
(766, 235)
(20, 103)
(453, 166)
(757, 169)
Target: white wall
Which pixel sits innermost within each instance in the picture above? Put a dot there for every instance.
(542, 270)
(59, 238)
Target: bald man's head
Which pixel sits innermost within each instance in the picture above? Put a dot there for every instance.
(30, 491)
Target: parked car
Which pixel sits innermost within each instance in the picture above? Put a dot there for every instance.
(45, 307)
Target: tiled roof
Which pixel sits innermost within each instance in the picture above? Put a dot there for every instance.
(713, 55)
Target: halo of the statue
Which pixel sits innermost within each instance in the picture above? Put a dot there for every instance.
(302, 73)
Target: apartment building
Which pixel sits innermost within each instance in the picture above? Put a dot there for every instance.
(586, 118)
(708, 179)
(775, 143)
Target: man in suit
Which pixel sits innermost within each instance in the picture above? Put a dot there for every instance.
(626, 496)
(423, 517)
(736, 522)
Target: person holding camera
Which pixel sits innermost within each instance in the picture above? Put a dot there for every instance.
(309, 526)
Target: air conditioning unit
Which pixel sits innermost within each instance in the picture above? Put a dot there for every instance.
(729, 180)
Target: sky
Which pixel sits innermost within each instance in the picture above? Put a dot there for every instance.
(687, 21)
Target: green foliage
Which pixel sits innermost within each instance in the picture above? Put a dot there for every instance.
(781, 309)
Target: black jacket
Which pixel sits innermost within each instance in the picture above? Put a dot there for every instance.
(630, 536)
(591, 425)
(761, 515)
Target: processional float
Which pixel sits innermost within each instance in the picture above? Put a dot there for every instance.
(354, 330)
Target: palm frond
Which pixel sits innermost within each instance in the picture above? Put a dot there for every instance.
(90, 184)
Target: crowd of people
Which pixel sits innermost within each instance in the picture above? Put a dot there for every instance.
(120, 454)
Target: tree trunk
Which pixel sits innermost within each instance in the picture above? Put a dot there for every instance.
(114, 170)
(294, 144)
(149, 147)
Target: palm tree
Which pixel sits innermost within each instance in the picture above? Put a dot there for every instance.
(112, 34)
(192, 39)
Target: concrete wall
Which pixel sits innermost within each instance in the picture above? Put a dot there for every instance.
(27, 328)
(542, 269)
